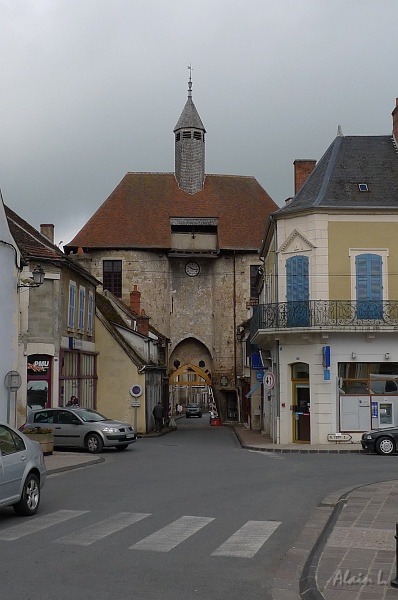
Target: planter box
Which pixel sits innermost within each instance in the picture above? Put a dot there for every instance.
(46, 441)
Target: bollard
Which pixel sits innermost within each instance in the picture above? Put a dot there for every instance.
(394, 582)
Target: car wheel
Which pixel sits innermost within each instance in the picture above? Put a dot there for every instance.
(122, 447)
(385, 445)
(94, 443)
(187, 416)
(30, 499)
(200, 416)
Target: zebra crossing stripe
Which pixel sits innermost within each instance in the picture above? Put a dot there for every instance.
(170, 536)
(100, 530)
(248, 540)
(37, 524)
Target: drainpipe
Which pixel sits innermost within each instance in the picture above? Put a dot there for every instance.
(235, 342)
(277, 362)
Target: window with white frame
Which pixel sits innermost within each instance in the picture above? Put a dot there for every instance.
(82, 307)
(90, 313)
(72, 305)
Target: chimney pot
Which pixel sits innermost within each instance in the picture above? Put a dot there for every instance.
(135, 300)
(143, 323)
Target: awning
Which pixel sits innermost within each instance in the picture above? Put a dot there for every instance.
(254, 388)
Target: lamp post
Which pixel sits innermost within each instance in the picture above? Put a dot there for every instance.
(37, 276)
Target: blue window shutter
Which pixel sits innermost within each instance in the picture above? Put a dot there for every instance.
(369, 288)
(297, 279)
(297, 291)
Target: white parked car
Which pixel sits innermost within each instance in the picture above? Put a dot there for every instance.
(22, 471)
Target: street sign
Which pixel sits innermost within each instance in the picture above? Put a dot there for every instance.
(269, 380)
(136, 391)
(339, 437)
(136, 404)
(259, 375)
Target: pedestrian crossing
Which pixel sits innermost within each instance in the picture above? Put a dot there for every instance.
(244, 543)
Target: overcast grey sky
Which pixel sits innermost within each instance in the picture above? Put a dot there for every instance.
(92, 89)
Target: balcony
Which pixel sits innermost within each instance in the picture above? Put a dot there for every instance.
(323, 315)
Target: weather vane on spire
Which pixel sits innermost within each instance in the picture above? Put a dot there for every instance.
(190, 81)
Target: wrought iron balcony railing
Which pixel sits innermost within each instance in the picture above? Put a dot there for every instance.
(325, 314)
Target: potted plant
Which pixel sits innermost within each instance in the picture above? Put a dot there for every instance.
(44, 436)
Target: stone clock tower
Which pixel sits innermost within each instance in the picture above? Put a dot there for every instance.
(187, 242)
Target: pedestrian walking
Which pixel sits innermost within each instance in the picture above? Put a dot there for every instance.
(158, 415)
(179, 409)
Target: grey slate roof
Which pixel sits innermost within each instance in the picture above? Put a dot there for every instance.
(189, 117)
(348, 161)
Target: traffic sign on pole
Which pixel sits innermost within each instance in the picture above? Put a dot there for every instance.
(269, 380)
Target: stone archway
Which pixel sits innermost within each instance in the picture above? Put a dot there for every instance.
(190, 374)
(190, 383)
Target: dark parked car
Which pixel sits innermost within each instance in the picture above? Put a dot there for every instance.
(22, 471)
(193, 409)
(82, 428)
(382, 441)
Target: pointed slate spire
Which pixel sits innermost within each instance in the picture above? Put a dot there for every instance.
(189, 139)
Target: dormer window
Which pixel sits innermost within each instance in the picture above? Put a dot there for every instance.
(363, 187)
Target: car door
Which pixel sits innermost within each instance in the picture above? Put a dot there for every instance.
(13, 462)
(68, 429)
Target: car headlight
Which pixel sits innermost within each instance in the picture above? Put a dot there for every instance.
(368, 436)
(110, 430)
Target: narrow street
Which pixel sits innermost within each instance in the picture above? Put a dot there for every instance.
(185, 515)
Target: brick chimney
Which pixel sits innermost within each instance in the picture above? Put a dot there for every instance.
(395, 121)
(143, 323)
(302, 170)
(47, 229)
(135, 300)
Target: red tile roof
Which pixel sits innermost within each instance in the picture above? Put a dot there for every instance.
(30, 242)
(137, 213)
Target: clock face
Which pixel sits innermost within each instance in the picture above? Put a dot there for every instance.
(192, 269)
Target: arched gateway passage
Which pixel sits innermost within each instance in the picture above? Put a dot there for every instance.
(190, 383)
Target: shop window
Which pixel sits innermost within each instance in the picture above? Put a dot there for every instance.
(78, 378)
(368, 378)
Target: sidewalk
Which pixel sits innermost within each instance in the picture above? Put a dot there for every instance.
(347, 550)
(65, 461)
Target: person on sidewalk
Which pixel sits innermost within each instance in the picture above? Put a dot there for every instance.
(179, 409)
(158, 415)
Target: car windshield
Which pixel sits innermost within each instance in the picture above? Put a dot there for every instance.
(192, 405)
(88, 415)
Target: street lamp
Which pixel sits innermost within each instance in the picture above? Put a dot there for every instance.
(37, 276)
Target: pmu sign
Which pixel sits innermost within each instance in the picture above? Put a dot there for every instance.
(269, 380)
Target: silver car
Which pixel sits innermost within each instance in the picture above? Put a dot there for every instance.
(22, 471)
(82, 428)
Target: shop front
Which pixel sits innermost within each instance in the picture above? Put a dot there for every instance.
(39, 370)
